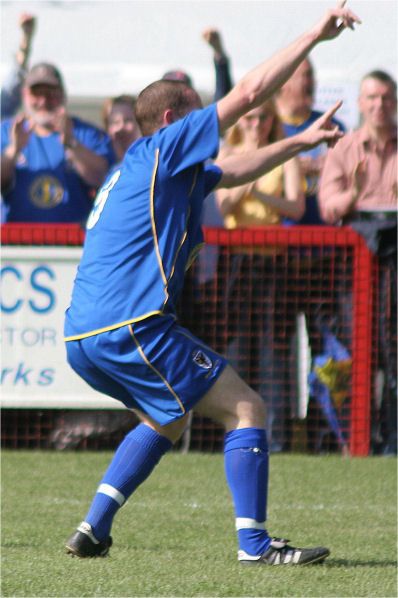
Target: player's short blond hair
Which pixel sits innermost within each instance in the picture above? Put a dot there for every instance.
(158, 97)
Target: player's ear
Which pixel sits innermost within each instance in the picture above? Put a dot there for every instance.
(168, 117)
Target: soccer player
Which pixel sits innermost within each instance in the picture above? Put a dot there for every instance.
(121, 331)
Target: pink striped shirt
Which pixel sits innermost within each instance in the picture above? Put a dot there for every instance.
(377, 186)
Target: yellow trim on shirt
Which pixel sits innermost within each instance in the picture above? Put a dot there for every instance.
(195, 176)
(155, 235)
(77, 337)
(193, 255)
(184, 236)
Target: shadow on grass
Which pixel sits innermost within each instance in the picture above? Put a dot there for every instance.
(358, 563)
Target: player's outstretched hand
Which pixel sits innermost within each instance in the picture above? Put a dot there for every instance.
(323, 129)
(334, 22)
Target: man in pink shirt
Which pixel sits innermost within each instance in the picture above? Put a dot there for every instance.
(360, 172)
(359, 188)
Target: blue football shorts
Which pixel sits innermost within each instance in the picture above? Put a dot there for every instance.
(153, 365)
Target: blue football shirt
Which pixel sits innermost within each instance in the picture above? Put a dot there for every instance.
(145, 227)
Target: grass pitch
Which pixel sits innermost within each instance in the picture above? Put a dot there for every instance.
(175, 536)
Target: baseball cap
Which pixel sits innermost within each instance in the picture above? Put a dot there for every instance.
(178, 76)
(44, 74)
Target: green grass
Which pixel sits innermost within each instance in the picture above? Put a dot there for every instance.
(175, 536)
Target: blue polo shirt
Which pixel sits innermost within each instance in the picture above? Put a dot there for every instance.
(46, 187)
(145, 227)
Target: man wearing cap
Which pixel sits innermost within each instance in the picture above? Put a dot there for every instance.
(50, 161)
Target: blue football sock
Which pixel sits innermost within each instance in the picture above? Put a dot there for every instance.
(132, 463)
(246, 469)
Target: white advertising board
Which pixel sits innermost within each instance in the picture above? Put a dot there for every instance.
(328, 93)
(36, 285)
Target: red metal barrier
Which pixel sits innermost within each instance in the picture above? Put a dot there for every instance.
(310, 239)
(363, 275)
(41, 234)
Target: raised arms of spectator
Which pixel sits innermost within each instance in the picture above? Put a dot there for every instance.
(27, 22)
(221, 63)
(242, 168)
(261, 83)
(91, 167)
(11, 88)
(19, 137)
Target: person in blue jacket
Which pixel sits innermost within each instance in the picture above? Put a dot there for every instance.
(50, 162)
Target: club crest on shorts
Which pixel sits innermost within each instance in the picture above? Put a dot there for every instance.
(202, 360)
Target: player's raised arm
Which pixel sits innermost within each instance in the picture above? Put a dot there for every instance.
(242, 168)
(262, 82)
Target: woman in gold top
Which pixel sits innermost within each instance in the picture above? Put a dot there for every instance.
(278, 193)
(256, 294)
